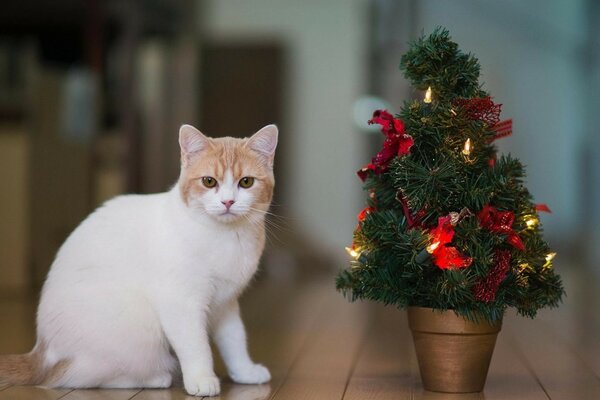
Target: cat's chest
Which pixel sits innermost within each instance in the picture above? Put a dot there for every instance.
(229, 256)
(233, 263)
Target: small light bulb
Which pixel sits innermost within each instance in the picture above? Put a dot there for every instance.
(467, 150)
(531, 222)
(431, 248)
(353, 253)
(427, 98)
(453, 112)
(549, 258)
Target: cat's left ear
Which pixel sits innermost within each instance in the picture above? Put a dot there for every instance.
(264, 142)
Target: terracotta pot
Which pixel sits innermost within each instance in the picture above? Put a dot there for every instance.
(454, 354)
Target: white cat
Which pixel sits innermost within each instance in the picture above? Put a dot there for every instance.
(139, 286)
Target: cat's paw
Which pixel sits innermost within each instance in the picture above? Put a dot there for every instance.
(203, 386)
(251, 374)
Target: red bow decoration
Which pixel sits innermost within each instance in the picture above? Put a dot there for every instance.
(485, 290)
(501, 129)
(397, 143)
(500, 222)
(443, 256)
(542, 207)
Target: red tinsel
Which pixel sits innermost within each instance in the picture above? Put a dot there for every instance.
(485, 290)
(446, 257)
(500, 222)
(480, 108)
(397, 143)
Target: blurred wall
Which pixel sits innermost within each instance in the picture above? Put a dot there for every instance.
(532, 57)
(326, 44)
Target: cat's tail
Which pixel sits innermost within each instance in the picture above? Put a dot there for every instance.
(21, 369)
(30, 368)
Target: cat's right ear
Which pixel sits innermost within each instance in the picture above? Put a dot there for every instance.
(192, 142)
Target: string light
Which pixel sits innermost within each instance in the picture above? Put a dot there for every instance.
(532, 222)
(549, 258)
(467, 149)
(431, 248)
(353, 253)
(453, 112)
(427, 98)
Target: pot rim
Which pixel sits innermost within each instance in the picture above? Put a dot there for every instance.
(432, 320)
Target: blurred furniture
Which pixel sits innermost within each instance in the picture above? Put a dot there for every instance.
(96, 91)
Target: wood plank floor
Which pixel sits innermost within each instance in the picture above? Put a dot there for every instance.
(318, 346)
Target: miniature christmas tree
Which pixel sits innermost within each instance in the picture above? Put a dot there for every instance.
(449, 225)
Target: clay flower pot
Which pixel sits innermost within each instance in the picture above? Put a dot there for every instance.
(454, 354)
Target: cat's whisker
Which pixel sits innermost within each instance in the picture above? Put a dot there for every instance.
(270, 235)
(272, 214)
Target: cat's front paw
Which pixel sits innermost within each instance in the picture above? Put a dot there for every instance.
(203, 386)
(251, 374)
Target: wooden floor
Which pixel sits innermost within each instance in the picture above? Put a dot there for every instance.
(318, 346)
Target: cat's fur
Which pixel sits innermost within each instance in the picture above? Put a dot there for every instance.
(138, 287)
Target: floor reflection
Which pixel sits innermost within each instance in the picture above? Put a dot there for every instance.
(426, 395)
(246, 392)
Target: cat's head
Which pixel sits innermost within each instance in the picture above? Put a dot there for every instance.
(228, 179)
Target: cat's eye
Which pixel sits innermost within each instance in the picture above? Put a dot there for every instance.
(246, 182)
(209, 182)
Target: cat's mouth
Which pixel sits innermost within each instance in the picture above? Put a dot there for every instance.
(228, 216)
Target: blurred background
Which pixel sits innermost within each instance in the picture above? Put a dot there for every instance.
(92, 94)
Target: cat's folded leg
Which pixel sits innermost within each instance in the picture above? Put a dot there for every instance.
(186, 329)
(230, 337)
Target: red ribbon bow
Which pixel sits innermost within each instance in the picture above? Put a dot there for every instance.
(397, 143)
(500, 222)
(443, 256)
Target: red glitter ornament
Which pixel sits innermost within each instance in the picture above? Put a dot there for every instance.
(485, 289)
(480, 109)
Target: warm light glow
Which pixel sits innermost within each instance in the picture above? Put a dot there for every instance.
(353, 253)
(428, 95)
(467, 150)
(531, 222)
(453, 112)
(550, 257)
(431, 248)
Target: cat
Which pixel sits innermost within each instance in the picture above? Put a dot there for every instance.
(138, 287)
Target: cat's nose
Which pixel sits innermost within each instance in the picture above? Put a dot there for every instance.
(228, 203)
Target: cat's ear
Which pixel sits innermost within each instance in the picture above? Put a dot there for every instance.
(191, 141)
(264, 142)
